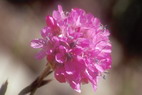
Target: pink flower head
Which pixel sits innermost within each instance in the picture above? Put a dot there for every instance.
(76, 46)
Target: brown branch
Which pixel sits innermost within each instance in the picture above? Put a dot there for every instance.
(39, 82)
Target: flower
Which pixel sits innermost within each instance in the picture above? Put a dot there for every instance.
(76, 46)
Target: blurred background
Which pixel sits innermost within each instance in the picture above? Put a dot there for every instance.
(22, 20)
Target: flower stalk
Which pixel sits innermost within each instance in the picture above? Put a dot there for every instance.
(39, 82)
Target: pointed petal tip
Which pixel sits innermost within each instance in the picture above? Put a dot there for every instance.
(37, 43)
(78, 90)
(59, 7)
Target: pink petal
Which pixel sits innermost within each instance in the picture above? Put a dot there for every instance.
(61, 11)
(60, 58)
(99, 68)
(74, 66)
(75, 86)
(56, 15)
(50, 58)
(59, 74)
(46, 32)
(83, 42)
(76, 50)
(40, 54)
(74, 79)
(51, 21)
(37, 43)
(92, 78)
(70, 67)
(63, 49)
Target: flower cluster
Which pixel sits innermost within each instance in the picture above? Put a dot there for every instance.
(76, 46)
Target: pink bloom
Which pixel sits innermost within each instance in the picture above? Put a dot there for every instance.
(76, 46)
